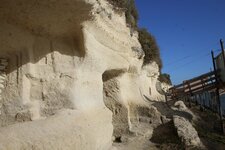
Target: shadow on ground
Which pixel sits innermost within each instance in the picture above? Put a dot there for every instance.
(165, 110)
(166, 137)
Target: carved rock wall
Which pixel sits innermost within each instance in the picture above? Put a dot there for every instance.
(58, 53)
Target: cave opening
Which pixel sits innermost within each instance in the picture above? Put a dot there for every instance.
(112, 100)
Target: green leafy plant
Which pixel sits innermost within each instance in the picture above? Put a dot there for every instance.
(150, 47)
(130, 10)
(165, 78)
(147, 40)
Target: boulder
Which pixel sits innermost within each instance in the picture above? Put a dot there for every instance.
(186, 132)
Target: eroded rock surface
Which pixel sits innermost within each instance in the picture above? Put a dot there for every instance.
(186, 132)
(183, 124)
(72, 55)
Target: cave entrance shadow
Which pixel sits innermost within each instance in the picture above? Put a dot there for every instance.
(165, 135)
(31, 30)
(112, 100)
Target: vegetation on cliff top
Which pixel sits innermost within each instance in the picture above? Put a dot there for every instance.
(148, 42)
(130, 10)
(146, 39)
(150, 47)
(165, 78)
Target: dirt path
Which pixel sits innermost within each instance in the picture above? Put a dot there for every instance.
(145, 137)
(207, 125)
(138, 140)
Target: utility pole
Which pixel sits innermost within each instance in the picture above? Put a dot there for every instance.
(217, 92)
(222, 49)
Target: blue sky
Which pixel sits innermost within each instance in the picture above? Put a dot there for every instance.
(186, 31)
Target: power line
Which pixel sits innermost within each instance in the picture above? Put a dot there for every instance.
(178, 60)
(189, 56)
(190, 62)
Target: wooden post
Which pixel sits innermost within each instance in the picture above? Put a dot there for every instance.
(222, 49)
(210, 100)
(166, 98)
(190, 94)
(204, 100)
(217, 93)
(200, 101)
(203, 95)
(196, 100)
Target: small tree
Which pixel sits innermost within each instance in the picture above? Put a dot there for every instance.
(165, 78)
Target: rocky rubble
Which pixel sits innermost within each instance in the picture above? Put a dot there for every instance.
(186, 132)
(184, 127)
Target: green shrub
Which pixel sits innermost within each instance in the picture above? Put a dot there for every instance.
(119, 3)
(165, 78)
(130, 10)
(150, 47)
(147, 41)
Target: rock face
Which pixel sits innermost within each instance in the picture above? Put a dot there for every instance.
(112, 99)
(3, 66)
(182, 122)
(186, 132)
(74, 74)
(180, 105)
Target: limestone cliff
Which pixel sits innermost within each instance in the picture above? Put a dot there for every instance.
(71, 75)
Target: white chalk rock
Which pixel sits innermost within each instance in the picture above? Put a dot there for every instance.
(180, 105)
(2, 77)
(1, 81)
(49, 66)
(1, 86)
(186, 132)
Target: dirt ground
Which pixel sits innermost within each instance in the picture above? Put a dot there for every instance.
(164, 137)
(208, 126)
